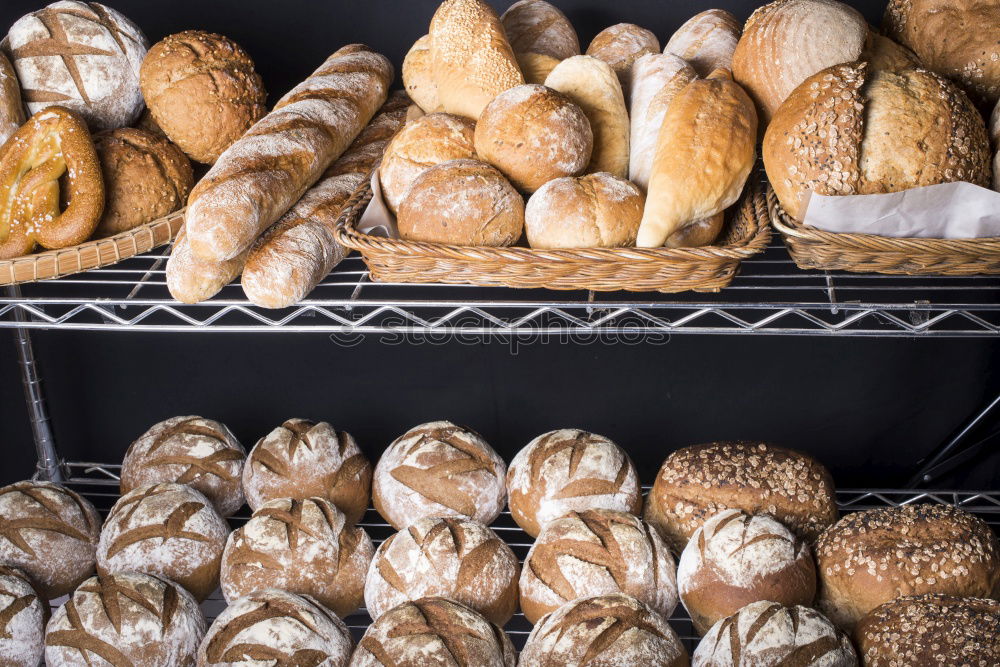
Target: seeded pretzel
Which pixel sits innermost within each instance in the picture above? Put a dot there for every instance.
(53, 144)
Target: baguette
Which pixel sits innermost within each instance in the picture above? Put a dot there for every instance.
(191, 279)
(264, 173)
(11, 108)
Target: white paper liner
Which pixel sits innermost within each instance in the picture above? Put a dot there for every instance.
(377, 219)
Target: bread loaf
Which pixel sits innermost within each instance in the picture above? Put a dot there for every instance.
(169, 530)
(592, 85)
(458, 559)
(536, 66)
(439, 469)
(707, 41)
(536, 26)
(276, 625)
(11, 107)
(710, 123)
(604, 630)
(470, 56)
(418, 76)
(698, 233)
(199, 452)
(995, 135)
(191, 279)
(697, 482)
(620, 46)
(258, 178)
(597, 552)
(125, 619)
(23, 614)
(50, 532)
(871, 557)
(570, 470)
(592, 211)
(301, 459)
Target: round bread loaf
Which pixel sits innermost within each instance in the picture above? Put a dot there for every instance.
(203, 92)
(421, 144)
(23, 614)
(536, 67)
(536, 26)
(462, 202)
(169, 530)
(191, 450)
(871, 557)
(597, 552)
(707, 41)
(273, 625)
(83, 56)
(697, 482)
(592, 211)
(418, 77)
(458, 559)
(439, 469)
(50, 532)
(766, 633)
(299, 546)
(620, 46)
(570, 470)
(433, 631)
(302, 459)
(931, 630)
(534, 134)
(125, 619)
(604, 630)
(735, 559)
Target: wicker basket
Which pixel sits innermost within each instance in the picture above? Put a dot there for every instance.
(707, 269)
(813, 248)
(92, 254)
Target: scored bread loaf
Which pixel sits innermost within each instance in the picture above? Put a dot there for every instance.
(538, 27)
(418, 76)
(11, 107)
(192, 279)
(620, 46)
(707, 41)
(258, 178)
(23, 614)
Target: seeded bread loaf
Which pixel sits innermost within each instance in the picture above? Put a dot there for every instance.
(23, 615)
(707, 41)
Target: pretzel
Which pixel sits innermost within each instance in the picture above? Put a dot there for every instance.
(51, 190)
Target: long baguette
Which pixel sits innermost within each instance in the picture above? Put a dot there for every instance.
(191, 279)
(259, 177)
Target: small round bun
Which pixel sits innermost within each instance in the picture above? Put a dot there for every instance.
(462, 202)
(592, 211)
(570, 470)
(23, 614)
(620, 46)
(418, 77)
(439, 469)
(536, 26)
(534, 134)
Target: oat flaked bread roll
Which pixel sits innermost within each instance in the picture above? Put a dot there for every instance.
(697, 482)
(536, 26)
(707, 41)
(593, 211)
(620, 46)
(23, 615)
(11, 106)
(850, 130)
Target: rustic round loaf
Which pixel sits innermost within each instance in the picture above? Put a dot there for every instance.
(597, 552)
(534, 134)
(303, 459)
(433, 631)
(420, 145)
(767, 633)
(592, 211)
(697, 482)
(23, 614)
(418, 77)
(439, 469)
(707, 41)
(570, 470)
(536, 26)
(83, 56)
(126, 619)
(203, 92)
(871, 557)
(191, 450)
(604, 630)
(276, 625)
(299, 546)
(931, 630)
(620, 46)
(169, 530)
(50, 532)
(459, 559)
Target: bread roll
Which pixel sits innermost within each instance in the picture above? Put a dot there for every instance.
(592, 85)
(11, 107)
(697, 482)
(199, 452)
(191, 279)
(534, 134)
(570, 470)
(536, 67)
(698, 233)
(23, 614)
(871, 557)
(592, 211)
(767, 633)
(470, 56)
(885, 132)
(439, 469)
(418, 76)
(300, 546)
(620, 46)
(536, 26)
(462, 202)
(604, 630)
(710, 123)
(50, 532)
(707, 41)
(420, 145)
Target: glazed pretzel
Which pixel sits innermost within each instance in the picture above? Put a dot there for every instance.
(51, 189)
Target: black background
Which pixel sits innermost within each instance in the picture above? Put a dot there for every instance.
(866, 408)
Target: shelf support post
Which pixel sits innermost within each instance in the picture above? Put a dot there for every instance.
(953, 450)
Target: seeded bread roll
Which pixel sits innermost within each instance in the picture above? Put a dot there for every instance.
(536, 66)
(620, 46)
(418, 76)
(11, 106)
(707, 41)
(697, 482)
(536, 26)
(592, 211)
(23, 614)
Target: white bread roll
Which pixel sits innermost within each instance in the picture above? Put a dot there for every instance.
(592, 211)
(707, 41)
(593, 86)
(418, 76)
(536, 66)
(620, 46)
(536, 26)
